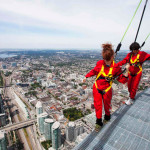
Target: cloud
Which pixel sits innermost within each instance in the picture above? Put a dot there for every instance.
(67, 21)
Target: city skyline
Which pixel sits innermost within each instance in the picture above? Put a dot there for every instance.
(45, 104)
(70, 25)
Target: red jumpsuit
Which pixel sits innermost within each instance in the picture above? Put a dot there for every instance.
(135, 73)
(102, 85)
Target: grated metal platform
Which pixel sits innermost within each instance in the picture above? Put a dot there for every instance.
(129, 128)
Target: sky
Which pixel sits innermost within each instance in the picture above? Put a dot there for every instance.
(71, 24)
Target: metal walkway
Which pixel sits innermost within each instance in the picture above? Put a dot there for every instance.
(129, 128)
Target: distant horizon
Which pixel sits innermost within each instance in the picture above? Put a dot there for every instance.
(50, 49)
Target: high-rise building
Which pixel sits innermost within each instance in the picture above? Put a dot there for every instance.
(48, 128)
(14, 64)
(73, 130)
(1, 105)
(70, 132)
(81, 129)
(40, 121)
(2, 119)
(4, 66)
(56, 135)
(38, 79)
(2, 113)
(39, 108)
(78, 130)
(3, 145)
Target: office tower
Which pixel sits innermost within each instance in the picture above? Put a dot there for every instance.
(2, 113)
(56, 135)
(2, 119)
(70, 132)
(48, 128)
(3, 145)
(40, 121)
(39, 109)
(4, 66)
(78, 130)
(14, 64)
(81, 129)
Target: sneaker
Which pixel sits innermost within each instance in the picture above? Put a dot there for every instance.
(98, 128)
(105, 121)
(129, 101)
(106, 118)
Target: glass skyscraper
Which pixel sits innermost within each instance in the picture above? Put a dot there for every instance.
(56, 135)
(3, 145)
(48, 128)
(2, 113)
(39, 109)
(40, 121)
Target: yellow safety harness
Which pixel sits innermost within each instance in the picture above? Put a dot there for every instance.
(108, 77)
(136, 65)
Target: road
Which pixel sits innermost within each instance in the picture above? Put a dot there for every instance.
(33, 141)
(18, 125)
(16, 119)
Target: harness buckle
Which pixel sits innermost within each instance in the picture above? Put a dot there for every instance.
(101, 91)
(138, 64)
(109, 78)
(133, 75)
(135, 65)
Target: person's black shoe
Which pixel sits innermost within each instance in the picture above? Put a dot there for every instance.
(98, 127)
(99, 121)
(106, 119)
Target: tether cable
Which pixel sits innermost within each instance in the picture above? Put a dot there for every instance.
(119, 45)
(140, 20)
(145, 40)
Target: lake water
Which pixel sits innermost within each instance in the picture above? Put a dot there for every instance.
(7, 55)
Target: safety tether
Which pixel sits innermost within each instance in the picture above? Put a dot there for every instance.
(141, 20)
(119, 45)
(144, 41)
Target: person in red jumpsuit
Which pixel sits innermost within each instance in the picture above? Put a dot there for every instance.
(105, 70)
(136, 58)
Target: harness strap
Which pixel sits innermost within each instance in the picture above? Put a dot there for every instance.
(101, 78)
(104, 74)
(140, 67)
(136, 60)
(133, 63)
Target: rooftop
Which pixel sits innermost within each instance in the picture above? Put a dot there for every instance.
(44, 114)
(71, 124)
(48, 120)
(55, 125)
(129, 128)
(38, 104)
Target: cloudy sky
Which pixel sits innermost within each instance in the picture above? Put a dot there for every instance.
(70, 24)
